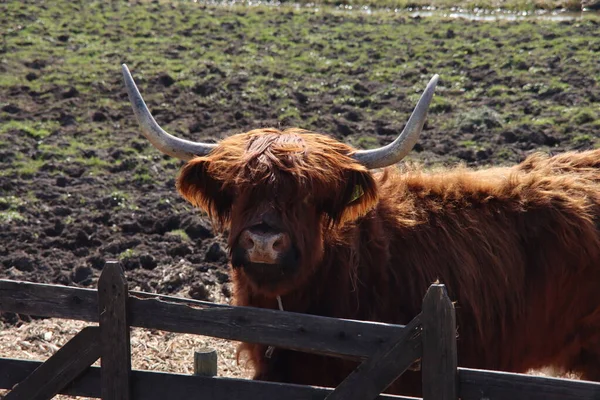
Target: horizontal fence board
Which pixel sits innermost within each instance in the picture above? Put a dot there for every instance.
(494, 385)
(311, 333)
(147, 385)
(48, 300)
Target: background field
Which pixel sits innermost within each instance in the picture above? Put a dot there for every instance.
(79, 185)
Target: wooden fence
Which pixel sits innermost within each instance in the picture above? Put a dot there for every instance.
(385, 350)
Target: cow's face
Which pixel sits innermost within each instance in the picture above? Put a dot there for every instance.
(278, 194)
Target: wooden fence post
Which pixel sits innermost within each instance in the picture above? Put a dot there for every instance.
(114, 333)
(439, 362)
(205, 362)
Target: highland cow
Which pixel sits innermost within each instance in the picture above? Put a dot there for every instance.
(312, 226)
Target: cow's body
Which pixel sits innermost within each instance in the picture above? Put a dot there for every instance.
(518, 248)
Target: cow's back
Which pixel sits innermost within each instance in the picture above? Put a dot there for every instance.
(518, 248)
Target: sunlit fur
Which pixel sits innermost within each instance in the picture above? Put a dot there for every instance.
(517, 247)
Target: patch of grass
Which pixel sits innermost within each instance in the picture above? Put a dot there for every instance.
(504, 153)
(440, 105)
(95, 163)
(181, 233)
(122, 200)
(468, 143)
(10, 216)
(584, 116)
(367, 142)
(28, 168)
(233, 68)
(477, 119)
(497, 90)
(129, 253)
(582, 140)
(289, 115)
(143, 178)
(10, 202)
(9, 209)
(542, 121)
(513, 5)
(386, 114)
(35, 129)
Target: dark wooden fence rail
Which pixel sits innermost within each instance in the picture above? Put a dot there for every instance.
(116, 310)
(385, 350)
(351, 339)
(149, 385)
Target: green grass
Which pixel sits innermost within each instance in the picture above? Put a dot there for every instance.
(513, 5)
(583, 139)
(584, 116)
(9, 202)
(122, 200)
(366, 142)
(181, 233)
(9, 209)
(129, 253)
(259, 58)
(36, 130)
(10, 216)
(28, 168)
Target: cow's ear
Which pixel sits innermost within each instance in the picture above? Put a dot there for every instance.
(198, 187)
(354, 198)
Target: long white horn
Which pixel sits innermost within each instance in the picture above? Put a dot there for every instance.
(163, 141)
(399, 148)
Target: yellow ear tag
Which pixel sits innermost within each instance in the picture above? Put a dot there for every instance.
(357, 193)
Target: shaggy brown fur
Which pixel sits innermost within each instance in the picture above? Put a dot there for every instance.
(518, 248)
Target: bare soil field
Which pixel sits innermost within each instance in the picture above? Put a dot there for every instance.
(79, 185)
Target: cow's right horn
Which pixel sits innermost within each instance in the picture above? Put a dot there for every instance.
(399, 148)
(163, 141)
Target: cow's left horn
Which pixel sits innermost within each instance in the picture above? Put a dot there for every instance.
(399, 148)
(163, 141)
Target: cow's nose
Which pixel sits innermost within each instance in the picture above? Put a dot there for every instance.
(264, 246)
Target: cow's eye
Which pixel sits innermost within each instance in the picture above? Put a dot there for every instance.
(356, 193)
